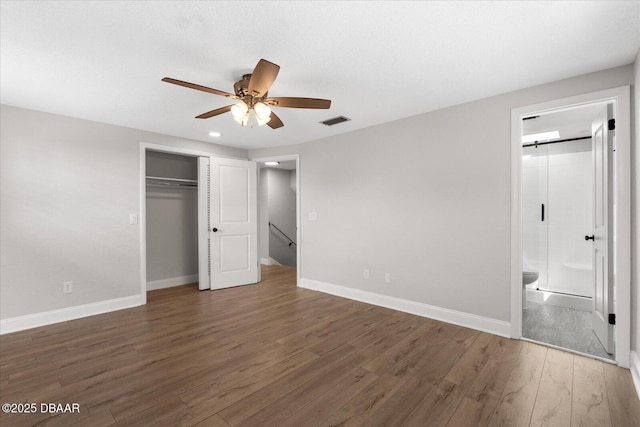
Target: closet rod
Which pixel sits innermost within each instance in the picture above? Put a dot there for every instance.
(535, 144)
(167, 184)
(162, 178)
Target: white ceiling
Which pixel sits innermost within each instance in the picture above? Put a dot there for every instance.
(377, 61)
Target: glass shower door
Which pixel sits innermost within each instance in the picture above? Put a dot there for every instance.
(534, 192)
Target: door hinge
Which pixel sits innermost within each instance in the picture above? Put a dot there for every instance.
(612, 319)
(612, 124)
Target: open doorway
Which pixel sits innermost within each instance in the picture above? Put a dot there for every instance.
(171, 206)
(558, 206)
(278, 212)
(563, 264)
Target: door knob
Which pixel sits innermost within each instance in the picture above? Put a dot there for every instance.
(592, 237)
(214, 229)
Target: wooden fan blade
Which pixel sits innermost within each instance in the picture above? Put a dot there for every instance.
(275, 121)
(214, 112)
(198, 87)
(299, 102)
(262, 77)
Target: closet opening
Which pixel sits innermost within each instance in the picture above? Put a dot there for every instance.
(171, 206)
(198, 219)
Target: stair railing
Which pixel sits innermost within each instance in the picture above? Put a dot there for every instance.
(291, 242)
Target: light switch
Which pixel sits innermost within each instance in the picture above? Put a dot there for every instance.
(133, 218)
(313, 216)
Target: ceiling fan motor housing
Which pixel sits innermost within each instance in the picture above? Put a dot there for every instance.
(242, 86)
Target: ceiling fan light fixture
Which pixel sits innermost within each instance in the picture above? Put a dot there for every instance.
(239, 110)
(242, 120)
(262, 122)
(263, 112)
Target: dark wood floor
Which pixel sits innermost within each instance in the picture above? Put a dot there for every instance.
(275, 355)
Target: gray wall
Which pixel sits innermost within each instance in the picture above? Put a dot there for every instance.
(168, 165)
(172, 219)
(426, 199)
(293, 180)
(282, 213)
(263, 215)
(68, 187)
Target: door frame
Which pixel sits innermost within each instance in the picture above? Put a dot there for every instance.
(620, 97)
(282, 158)
(142, 219)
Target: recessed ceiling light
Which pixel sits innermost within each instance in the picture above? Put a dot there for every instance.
(544, 136)
(272, 163)
(215, 134)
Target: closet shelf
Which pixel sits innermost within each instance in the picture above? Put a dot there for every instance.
(171, 182)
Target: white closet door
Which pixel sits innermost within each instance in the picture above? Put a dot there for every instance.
(233, 222)
(204, 250)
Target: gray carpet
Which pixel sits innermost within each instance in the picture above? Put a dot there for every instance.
(564, 327)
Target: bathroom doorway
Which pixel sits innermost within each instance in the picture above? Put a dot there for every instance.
(564, 291)
(557, 223)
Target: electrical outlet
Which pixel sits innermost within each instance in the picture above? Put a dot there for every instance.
(365, 274)
(67, 287)
(387, 277)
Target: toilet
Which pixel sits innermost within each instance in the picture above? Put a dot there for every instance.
(528, 277)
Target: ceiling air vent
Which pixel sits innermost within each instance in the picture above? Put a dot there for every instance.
(335, 120)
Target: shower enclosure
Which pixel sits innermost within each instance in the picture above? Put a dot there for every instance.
(557, 200)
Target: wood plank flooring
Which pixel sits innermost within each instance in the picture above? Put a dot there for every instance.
(275, 355)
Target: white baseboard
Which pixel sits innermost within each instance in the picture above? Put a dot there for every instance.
(264, 261)
(172, 281)
(635, 371)
(20, 323)
(485, 324)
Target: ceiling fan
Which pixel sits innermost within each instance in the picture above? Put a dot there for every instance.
(252, 92)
